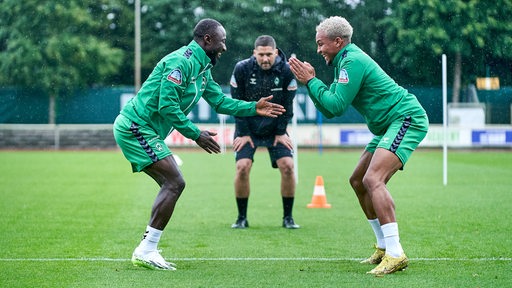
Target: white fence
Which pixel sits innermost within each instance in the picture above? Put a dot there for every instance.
(23, 136)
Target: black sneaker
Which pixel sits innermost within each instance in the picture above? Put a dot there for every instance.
(288, 223)
(241, 223)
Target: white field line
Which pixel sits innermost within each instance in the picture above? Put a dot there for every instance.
(86, 259)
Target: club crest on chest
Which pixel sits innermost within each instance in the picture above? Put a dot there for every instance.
(252, 80)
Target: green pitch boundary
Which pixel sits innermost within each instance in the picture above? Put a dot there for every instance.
(506, 259)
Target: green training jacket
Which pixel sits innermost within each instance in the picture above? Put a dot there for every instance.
(360, 81)
(174, 87)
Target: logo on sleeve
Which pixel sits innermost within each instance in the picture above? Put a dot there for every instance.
(343, 78)
(233, 81)
(292, 86)
(188, 53)
(175, 76)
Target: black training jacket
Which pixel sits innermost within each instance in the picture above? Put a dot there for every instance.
(250, 83)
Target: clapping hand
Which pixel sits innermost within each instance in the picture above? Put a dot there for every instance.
(303, 71)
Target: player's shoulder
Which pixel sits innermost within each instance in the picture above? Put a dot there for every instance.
(182, 59)
(244, 63)
(176, 58)
(353, 52)
(243, 66)
(354, 56)
(284, 68)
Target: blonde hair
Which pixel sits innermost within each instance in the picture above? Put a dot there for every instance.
(336, 26)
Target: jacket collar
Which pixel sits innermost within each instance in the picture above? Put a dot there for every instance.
(199, 54)
(341, 54)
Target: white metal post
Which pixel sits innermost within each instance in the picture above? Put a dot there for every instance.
(445, 124)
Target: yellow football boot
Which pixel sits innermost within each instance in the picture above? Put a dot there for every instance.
(376, 257)
(390, 264)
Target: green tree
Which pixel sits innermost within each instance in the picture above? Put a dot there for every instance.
(115, 25)
(369, 35)
(165, 27)
(471, 33)
(291, 23)
(53, 46)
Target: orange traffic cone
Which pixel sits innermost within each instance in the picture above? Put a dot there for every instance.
(319, 199)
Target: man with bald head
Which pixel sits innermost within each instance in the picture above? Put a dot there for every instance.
(170, 92)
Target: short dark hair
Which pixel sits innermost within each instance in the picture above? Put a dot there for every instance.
(205, 26)
(265, 40)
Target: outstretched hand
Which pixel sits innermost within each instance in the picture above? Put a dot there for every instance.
(303, 71)
(269, 109)
(207, 142)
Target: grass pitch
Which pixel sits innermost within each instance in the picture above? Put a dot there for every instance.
(72, 219)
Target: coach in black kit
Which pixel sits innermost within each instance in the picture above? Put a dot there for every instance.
(265, 73)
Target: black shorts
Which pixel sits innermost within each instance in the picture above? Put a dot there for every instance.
(275, 152)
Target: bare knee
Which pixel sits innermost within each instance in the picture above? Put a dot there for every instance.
(286, 166)
(243, 168)
(372, 183)
(174, 187)
(356, 183)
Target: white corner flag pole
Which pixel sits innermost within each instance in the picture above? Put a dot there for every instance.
(294, 141)
(445, 123)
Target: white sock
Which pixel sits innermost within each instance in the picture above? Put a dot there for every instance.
(378, 233)
(393, 247)
(150, 240)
